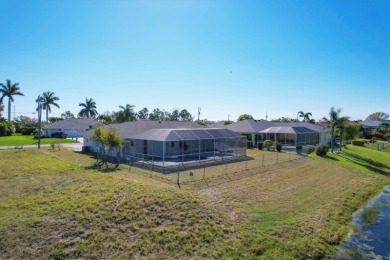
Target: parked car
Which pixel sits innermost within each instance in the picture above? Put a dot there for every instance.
(59, 135)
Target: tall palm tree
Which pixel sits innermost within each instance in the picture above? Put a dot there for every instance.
(1, 108)
(9, 90)
(306, 116)
(334, 120)
(89, 109)
(48, 99)
(341, 125)
(129, 112)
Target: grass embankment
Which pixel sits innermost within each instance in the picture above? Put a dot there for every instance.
(54, 205)
(58, 209)
(20, 140)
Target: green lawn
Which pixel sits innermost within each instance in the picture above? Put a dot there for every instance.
(53, 204)
(20, 140)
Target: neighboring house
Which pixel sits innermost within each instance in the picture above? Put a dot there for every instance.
(250, 128)
(73, 127)
(368, 126)
(299, 133)
(295, 133)
(167, 143)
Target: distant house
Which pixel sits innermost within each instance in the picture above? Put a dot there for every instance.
(250, 128)
(368, 126)
(299, 133)
(73, 127)
(166, 143)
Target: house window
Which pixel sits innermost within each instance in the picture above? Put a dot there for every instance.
(131, 143)
(172, 144)
(180, 143)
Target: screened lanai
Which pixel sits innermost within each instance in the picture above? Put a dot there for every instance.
(171, 146)
(291, 136)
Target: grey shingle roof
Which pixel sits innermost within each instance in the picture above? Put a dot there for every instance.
(73, 123)
(256, 126)
(288, 130)
(314, 127)
(249, 126)
(130, 129)
(370, 124)
(186, 134)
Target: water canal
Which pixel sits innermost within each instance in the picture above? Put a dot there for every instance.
(370, 238)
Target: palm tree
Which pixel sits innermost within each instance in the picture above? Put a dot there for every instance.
(306, 116)
(333, 121)
(341, 125)
(67, 115)
(1, 108)
(128, 112)
(46, 100)
(9, 91)
(89, 109)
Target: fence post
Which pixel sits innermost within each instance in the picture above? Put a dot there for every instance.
(226, 168)
(178, 178)
(262, 163)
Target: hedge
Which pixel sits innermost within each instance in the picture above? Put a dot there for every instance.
(358, 142)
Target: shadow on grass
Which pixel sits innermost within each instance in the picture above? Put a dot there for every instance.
(102, 168)
(367, 163)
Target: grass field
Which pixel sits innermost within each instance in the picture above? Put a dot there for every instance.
(19, 140)
(54, 204)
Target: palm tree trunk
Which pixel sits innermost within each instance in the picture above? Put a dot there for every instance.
(9, 109)
(331, 138)
(47, 121)
(341, 139)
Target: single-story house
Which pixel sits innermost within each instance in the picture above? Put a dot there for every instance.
(250, 128)
(368, 126)
(171, 142)
(291, 134)
(73, 127)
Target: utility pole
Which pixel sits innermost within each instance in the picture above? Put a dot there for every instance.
(266, 116)
(39, 121)
(198, 112)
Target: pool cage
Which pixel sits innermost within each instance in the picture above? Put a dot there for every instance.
(291, 135)
(170, 147)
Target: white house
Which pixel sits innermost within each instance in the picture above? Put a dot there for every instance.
(73, 127)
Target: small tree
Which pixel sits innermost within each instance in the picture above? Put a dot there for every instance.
(268, 144)
(244, 117)
(109, 141)
(114, 142)
(99, 137)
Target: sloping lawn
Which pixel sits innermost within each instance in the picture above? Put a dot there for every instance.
(20, 140)
(51, 208)
(54, 205)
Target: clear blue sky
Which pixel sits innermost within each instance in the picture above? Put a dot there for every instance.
(227, 57)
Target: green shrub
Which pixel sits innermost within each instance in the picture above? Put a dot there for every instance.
(322, 149)
(278, 146)
(6, 128)
(311, 149)
(298, 148)
(268, 144)
(249, 145)
(260, 145)
(358, 142)
(28, 130)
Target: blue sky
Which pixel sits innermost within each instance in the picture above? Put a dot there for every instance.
(227, 57)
